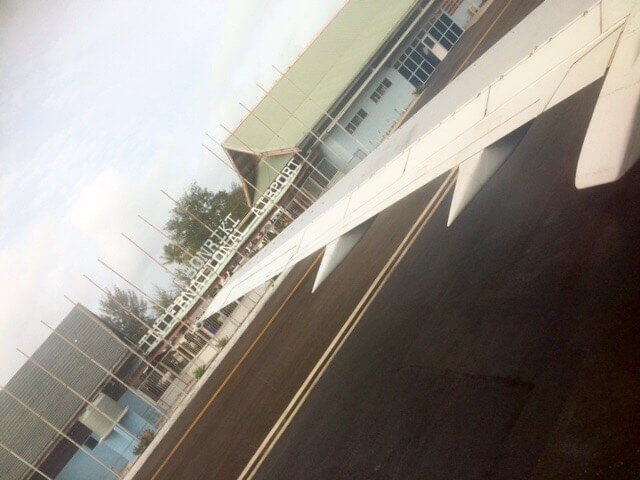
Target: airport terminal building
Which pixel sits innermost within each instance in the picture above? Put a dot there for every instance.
(343, 95)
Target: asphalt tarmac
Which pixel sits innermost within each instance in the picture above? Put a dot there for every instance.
(505, 346)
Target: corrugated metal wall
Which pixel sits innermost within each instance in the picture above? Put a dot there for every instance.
(21, 430)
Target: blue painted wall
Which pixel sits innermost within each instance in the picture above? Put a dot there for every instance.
(116, 451)
(342, 148)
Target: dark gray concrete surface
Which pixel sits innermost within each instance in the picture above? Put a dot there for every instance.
(506, 346)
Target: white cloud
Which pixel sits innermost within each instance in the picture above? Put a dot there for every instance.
(98, 112)
(32, 271)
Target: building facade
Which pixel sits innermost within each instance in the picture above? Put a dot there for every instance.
(344, 94)
(43, 406)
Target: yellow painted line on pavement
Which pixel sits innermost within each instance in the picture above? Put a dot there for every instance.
(240, 362)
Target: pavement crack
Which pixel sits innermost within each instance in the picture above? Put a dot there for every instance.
(515, 382)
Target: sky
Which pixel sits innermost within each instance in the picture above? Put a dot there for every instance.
(102, 104)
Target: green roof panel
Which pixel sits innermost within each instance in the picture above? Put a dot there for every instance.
(320, 76)
(269, 168)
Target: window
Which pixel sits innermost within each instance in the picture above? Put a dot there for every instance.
(319, 178)
(91, 443)
(418, 62)
(445, 31)
(327, 168)
(381, 90)
(356, 121)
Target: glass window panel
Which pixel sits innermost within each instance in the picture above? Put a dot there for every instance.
(427, 65)
(451, 36)
(435, 33)
(318, 178)
(405, 72)
(415, 81)
(456, 29)
(422, 75)
(440, 26)
(446, 19)
(312, 188)
(411, 65)
(417, 57)
(446, 43)
(327, 168)
(433, 60)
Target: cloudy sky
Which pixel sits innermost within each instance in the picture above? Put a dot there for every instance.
(102, 104)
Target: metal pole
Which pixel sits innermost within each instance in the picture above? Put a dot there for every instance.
(182, 249)
(147, 296)
(164, 267)
(366, 150)
(153, 258)
(178, 245)
(278, 206)
(136, 317)
(131, 350)
(57, 430)
(107, 371)
(266, 162)
(186, 210)
(84, 400)
(182, 322)
(310, 130)
(22, 460)
(306, 160)
(217, 276)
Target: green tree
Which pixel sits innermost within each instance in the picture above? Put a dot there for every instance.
(172, 253)
(199, 371)
(120, 309)
(182, 279)
(211, 208)
(162, 299)
(145, 440)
